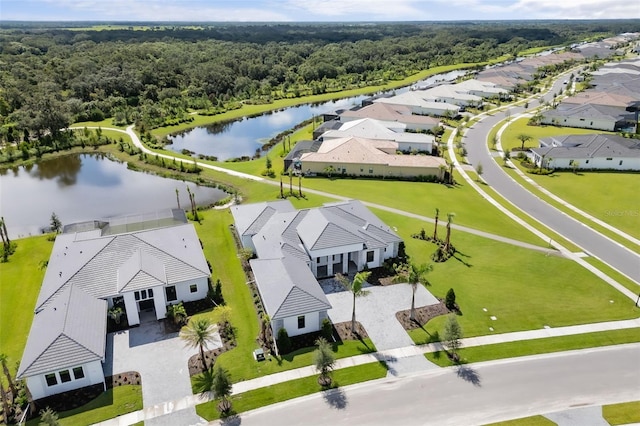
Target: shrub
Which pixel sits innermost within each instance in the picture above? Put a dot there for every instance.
(284, 342)
(450, 300)
(177, 313)
(327, 329)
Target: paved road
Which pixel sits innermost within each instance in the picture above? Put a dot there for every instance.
(476, 394)
(617, 256)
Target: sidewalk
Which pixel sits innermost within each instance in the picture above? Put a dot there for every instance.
(389, 356)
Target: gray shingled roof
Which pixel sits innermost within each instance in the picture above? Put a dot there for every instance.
(288, 288)
(69, 332)
(93, 264)
(317, 232)
(590, 146)
(250, 218)
(591, 111)
(141, 270)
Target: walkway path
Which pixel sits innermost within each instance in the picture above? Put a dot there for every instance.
(389, 356)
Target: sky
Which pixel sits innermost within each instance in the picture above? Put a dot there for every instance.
(314, 10)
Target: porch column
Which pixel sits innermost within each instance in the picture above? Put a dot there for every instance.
(160, 302)
(345, 263)
(131, 307)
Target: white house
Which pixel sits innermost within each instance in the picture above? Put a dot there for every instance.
(591, 116)
(140, 263)
(602, 151)
(295, 247)
(450, 93)
(391, 115)
(418, 103)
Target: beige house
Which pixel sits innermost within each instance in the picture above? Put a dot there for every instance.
(365, 157)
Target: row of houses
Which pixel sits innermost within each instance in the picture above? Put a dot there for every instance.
(610, 104)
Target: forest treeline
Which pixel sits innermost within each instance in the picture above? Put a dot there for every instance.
(51, 77)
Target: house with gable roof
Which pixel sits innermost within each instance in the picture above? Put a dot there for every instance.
(141, 263)
(296, 247)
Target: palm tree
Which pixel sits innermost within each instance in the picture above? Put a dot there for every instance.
(449, 220)
(199, 334)
(221, 388)
(355, 287)
(3, 360)
(414, 275)
(324, 361)
(523, 138)
(5, 403)
(435, 228)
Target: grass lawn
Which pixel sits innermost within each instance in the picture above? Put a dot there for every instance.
(20, 281)
(293, 389)
(622, 414)
(524, 289)
(539, 346)
(621, 279)
(112, 403)
(526, 421)
(423, 198)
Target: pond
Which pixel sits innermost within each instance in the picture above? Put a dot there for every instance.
(86, 187)
(243, 137)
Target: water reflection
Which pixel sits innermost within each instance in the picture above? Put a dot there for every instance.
(85, 187)
(243, 137)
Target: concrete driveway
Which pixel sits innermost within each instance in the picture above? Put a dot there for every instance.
(161, 359)
(377, 313)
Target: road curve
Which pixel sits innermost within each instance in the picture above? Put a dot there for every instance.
(616, 255)
(471, 395)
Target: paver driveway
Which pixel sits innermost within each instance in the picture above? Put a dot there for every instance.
(161, 359)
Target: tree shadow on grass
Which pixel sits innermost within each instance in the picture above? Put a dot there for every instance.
(468, 374)
(461, 260)
(335, 398)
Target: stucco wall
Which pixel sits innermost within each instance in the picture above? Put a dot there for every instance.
(93, 374)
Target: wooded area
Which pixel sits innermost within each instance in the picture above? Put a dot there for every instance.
(51, 77)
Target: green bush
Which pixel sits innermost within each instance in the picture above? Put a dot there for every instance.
(284, 342)
(450, 300)
(327, 329)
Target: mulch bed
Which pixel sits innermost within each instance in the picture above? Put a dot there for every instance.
(79, 397)
(195, 363)
(380, 276)
(423, 315)
(342, 331)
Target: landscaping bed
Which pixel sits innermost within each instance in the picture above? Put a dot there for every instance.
(423, 315)
(195, 363)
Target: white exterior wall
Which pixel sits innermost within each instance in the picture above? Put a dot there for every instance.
(432, 111)
(160, 302)
(93, 374)
(131, 306)
(377, 169)
(311, 322)
(586, 123)
(325, 257)
(247, 242)
(408, 146)
(378, 257)
(596, 163)
(183, 290)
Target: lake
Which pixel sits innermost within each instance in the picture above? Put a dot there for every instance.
(242, 137)
(86, 187)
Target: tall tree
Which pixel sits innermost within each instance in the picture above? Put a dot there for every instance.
(414, 275)
(435, 228)
(199, 334)
(356, 287)
(5, 404)
(450, 217)
(55, 223)
(452, 334)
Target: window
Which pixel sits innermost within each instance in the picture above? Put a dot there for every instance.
(361, 170)
(51, 379)
(64, 376)
(78, 373)
(620, 163)
(369, 256)
(143, 294)
(609, 159)
(193, 288)
(587, 162)
(137, 295)
(371, 171)
(171, 293)
(150, 293)
(301, 319)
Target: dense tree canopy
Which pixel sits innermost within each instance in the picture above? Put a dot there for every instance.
(50, 77)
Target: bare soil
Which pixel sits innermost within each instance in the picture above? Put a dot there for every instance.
(423, 315)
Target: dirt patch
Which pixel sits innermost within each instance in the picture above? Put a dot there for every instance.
(342, 331)
(423, 315)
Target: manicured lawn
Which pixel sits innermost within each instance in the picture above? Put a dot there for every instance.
(523, 288)
(609, 196)
(526, 421)
(20, 281)
(540, 346)
(622, 414)
(621, 279)
(509, 136)
(423, 198)
(112, 403)
(293, 389)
